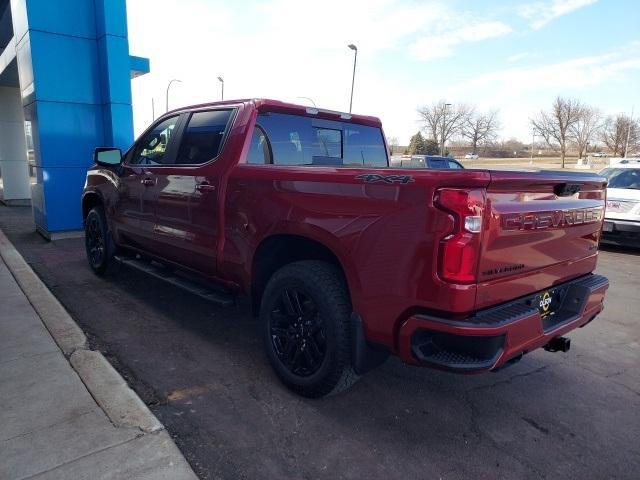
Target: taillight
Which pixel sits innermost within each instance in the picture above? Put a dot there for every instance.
(460, 248)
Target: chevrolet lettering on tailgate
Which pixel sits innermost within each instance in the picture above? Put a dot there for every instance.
(553, 219)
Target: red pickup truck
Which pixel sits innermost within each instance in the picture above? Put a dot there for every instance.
(346, 260)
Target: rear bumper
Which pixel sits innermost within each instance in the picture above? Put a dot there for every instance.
(621, 232)
(621, 226)
(491, 338)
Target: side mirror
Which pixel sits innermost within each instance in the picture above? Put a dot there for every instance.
(107, 156)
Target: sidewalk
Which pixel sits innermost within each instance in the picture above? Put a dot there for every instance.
(65, 413)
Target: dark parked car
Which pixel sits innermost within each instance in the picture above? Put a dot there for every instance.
(297, 208)
(431, 161)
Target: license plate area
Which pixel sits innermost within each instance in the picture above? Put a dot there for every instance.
(549, 303)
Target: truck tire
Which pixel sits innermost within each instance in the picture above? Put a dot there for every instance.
(305, 316)
(97, 240)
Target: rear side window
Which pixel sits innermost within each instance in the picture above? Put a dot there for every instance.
(298, 140)
(203, 137)
(259, 151)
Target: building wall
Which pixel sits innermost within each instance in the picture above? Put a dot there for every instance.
(74, 71)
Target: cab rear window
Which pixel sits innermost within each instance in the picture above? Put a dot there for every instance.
(299, 140)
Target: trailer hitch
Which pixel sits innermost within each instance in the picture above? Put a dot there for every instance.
(558, 344)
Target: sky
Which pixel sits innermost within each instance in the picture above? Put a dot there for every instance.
(505, 55)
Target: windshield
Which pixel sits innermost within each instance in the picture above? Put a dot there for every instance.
(623, 177)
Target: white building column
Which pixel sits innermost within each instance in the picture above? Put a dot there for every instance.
(13, 147)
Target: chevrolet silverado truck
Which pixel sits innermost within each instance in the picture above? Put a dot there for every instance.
(344, 259)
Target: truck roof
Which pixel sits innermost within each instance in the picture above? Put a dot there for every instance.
(270, 105)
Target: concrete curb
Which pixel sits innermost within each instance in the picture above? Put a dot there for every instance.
(121, 404)
(64, 330)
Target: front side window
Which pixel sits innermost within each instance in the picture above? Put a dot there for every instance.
(152, 148)
(202, 137)
(300, 140)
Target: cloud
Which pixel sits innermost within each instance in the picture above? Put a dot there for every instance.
(573, 74)
(519, 92)
(540, 13)
(441, 45)
(517, 57)
(198, 40)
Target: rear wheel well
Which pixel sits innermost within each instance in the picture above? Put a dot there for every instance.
(89, 201)
(279, 250)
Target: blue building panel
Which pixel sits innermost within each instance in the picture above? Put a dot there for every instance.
(75, 77)
(68, 133)
(64, 17)
(65, 68)
(113, 54)
(60, 209)
(138, 66)
(118, 121)
(111, 18)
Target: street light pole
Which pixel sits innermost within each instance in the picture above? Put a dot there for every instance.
(310, 99)
(626, 144)
(167, 97)
(533, 142)
(353, 78)
(221, 80)
(444, 116)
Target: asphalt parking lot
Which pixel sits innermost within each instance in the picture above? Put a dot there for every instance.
(203, 373)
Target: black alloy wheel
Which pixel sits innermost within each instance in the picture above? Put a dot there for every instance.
(95, 241)
(305, 315)
(297, 332)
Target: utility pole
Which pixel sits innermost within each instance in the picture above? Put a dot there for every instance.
(353, 78)
(444, 117)
(153, 110)
(221, 80)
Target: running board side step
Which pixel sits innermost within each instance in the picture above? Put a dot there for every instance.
(218, 297)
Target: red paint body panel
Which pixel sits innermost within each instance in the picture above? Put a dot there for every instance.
(385, 235)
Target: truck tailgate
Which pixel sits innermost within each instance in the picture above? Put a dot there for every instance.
(541, 229)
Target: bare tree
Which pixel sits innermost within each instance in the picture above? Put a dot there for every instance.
(555, 125)
(442, 120)
(393, 143)
(586, 128)
(616, 130)
(480, 127)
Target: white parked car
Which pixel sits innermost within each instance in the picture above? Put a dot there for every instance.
(471, 156)
(622, 214)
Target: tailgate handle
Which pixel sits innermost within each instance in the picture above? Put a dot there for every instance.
(566, 189)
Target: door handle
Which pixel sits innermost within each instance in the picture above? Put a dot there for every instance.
(147, 182)
(205, 187)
